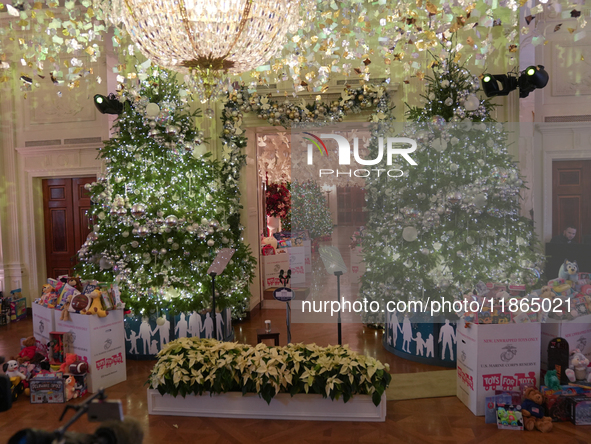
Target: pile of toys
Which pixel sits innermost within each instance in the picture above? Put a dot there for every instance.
(72, 295)
(13, 307)
(46, 373)
(564, 298)
(518, 410)
(278, 242)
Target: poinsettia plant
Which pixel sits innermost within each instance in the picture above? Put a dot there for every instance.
(278, 200)
(196, 366)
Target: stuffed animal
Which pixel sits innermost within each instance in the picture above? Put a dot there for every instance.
(551, 380)
(578, 367)
(533, 412)
(70, 359)
(28, 352)
(46, 294)
(76, 283)
(65, 316)
(12, 371)
(71, 388)
(569, 271)
(96, 306)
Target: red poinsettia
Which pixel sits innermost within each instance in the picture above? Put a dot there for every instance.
(278, 200)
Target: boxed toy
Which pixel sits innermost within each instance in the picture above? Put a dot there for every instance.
(580, 410)
(556, 402)
(492, 403)
(47, 389)
(18, 309)
(509, 417)
(59, 344)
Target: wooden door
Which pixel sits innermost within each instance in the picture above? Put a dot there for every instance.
(65, 207)
(571, 197)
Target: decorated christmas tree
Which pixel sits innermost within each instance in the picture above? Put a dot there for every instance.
(309, 210)
(453, 219)
(163, 210)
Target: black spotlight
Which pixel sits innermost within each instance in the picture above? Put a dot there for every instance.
(108, 105)
(498, 84)
(534, 77)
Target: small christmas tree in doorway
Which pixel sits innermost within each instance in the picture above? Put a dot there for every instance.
(309, 209)
(162, 211)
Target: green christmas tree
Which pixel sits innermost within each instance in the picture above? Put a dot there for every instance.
(309, 210)
(453, 219)
(163, 209)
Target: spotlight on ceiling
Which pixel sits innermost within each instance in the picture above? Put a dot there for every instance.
(498, 84)
(534, 77)
(108, 105)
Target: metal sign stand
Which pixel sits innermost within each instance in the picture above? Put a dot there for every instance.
(334, 264)
(217, 267)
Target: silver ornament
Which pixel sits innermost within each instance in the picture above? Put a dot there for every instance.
(138, 210)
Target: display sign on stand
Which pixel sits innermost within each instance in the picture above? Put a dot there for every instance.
(216, 268)
(334, 264)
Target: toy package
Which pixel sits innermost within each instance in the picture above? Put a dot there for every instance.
(47, 389)
(60, 343)
(556, 402)
(514, 394)
(580, 410)
(491, 403)
(509, 417)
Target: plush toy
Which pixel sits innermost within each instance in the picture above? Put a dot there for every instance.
(578, 367)
(551, 380)
(65, 316)
(569, 271)
(96, 306)
(76, 283)
(533, 412)
(46, 294)
(28, 352)
(71, 388)
(17, 378)
(70, 359)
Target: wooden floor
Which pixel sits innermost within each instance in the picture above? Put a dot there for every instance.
(441, 420)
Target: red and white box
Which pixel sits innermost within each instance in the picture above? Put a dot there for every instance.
(495, 357)
(285, 259)
(101, 343)
(576, 332)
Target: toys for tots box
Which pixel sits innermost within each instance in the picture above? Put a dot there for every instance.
(577, 333)
(101, 343)
(293, 258)
(43, 322)
(495, 357)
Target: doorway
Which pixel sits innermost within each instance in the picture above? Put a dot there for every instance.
(571, 197)
(65, 209)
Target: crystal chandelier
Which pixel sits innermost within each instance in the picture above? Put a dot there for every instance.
(205, 38)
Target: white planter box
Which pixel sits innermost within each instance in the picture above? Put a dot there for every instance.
(576, 332)
(283, 406)
(42, 322)
(101, 343)
(496, 357)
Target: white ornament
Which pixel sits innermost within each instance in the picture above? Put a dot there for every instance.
(439, 145)
(471, 103)
(152, 110)
(410, 234)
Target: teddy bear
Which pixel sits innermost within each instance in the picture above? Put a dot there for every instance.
(76, 283)
(533, 412)
(578, 367)
(28, 352)
(96, 306)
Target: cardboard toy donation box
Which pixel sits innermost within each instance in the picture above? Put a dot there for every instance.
(577, 333)
(101, 343)
(43, 322)
(496, 357)
(294, 259)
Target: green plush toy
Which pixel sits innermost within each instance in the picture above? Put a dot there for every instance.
(551, 380)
